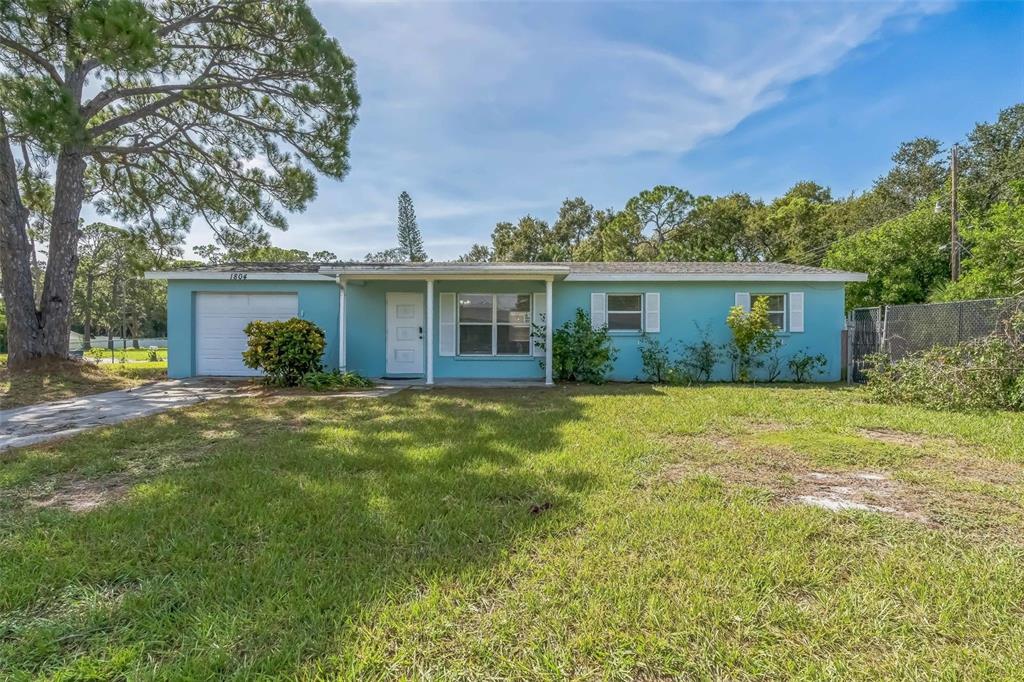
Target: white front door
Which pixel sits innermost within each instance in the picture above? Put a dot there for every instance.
(405, 333)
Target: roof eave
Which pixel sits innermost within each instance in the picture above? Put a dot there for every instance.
(481, 271)
(238, 276)
(718, 277)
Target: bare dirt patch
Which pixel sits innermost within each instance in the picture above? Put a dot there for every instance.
(860, 490)
(82, 495)
(956, 489)
(900, 438)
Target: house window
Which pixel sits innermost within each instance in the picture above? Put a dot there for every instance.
(776, 308)
(494, 324)
(625, 312)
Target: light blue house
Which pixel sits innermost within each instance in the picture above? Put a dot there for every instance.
(438, 321)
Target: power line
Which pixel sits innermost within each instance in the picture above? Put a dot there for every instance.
(955, 243)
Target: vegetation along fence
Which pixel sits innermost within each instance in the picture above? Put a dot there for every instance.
(899, 330)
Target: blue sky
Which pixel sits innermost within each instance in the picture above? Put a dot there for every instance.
(488, 111)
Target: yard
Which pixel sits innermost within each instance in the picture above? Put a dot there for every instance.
(70, 379)
(620, 531)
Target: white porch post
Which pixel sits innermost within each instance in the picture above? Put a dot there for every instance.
(341, 324)
(549, 323)
(430, 332)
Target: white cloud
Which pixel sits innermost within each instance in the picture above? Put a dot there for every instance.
(484, 111)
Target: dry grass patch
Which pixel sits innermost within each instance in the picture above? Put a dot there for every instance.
(894, 437)
(83, 494)
(70, 379)
(936, 481)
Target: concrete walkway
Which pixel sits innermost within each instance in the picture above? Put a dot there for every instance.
(32, 424)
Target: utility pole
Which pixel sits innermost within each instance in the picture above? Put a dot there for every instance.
(954, 233)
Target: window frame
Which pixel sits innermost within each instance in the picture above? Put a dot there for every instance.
(785, 308)
(608, 312)
(493, 324)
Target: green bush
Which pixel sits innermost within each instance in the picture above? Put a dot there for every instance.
(578, 351)
(803, 367)
(699, 359)
(334, 380)
(654, 356)
(284, 350)
(695, 363)
(753, 335)
(981, 374)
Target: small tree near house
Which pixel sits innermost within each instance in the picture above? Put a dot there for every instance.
(753, 336)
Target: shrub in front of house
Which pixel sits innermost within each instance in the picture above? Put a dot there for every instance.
(334, 381)
(284, 350)
(578, 351)
(656, 360)
(804, 367)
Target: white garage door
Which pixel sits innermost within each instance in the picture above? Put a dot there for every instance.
(220, 328)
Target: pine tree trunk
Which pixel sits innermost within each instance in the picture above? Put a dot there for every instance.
(58, 284)
(15, 262)
(87, 313)
(39, 333)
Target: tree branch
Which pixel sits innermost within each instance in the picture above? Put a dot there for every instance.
(33, 57)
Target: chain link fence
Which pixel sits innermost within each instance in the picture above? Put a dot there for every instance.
(899, 330)
(864, 331)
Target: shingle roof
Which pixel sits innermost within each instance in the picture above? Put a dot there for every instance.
(698, 267)
(624, 267)
(255, 267)
(591, 271)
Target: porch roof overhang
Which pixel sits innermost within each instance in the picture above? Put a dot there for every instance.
(447, 271)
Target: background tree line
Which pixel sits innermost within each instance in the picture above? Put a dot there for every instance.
(897, 231)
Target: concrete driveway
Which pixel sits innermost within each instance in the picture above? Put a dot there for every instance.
(32, 424)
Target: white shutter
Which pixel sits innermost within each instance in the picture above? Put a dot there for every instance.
(743, 300)
(540, 306)
(652, 312)
(598, 310)
(446, 341)
(796, 311)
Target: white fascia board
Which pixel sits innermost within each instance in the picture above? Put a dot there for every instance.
(717, 277)
(240, 276)
(420, 273)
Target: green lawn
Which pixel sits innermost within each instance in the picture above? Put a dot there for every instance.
(71, 379)
(133, 354)
(626, 532)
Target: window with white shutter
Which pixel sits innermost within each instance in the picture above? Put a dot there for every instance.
(743, 300)
(796, 311)
(652, 312)
(598, 310)
(446, 325)
(540, 306)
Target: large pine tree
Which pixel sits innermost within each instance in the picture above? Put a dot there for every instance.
(410, 241)
(158, 114)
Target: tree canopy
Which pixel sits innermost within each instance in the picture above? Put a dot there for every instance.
(157, 113)
(892, 231)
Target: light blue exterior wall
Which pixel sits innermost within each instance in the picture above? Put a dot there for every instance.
(367, 330)
(689, 307)
(318, 303)
(686, 308)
